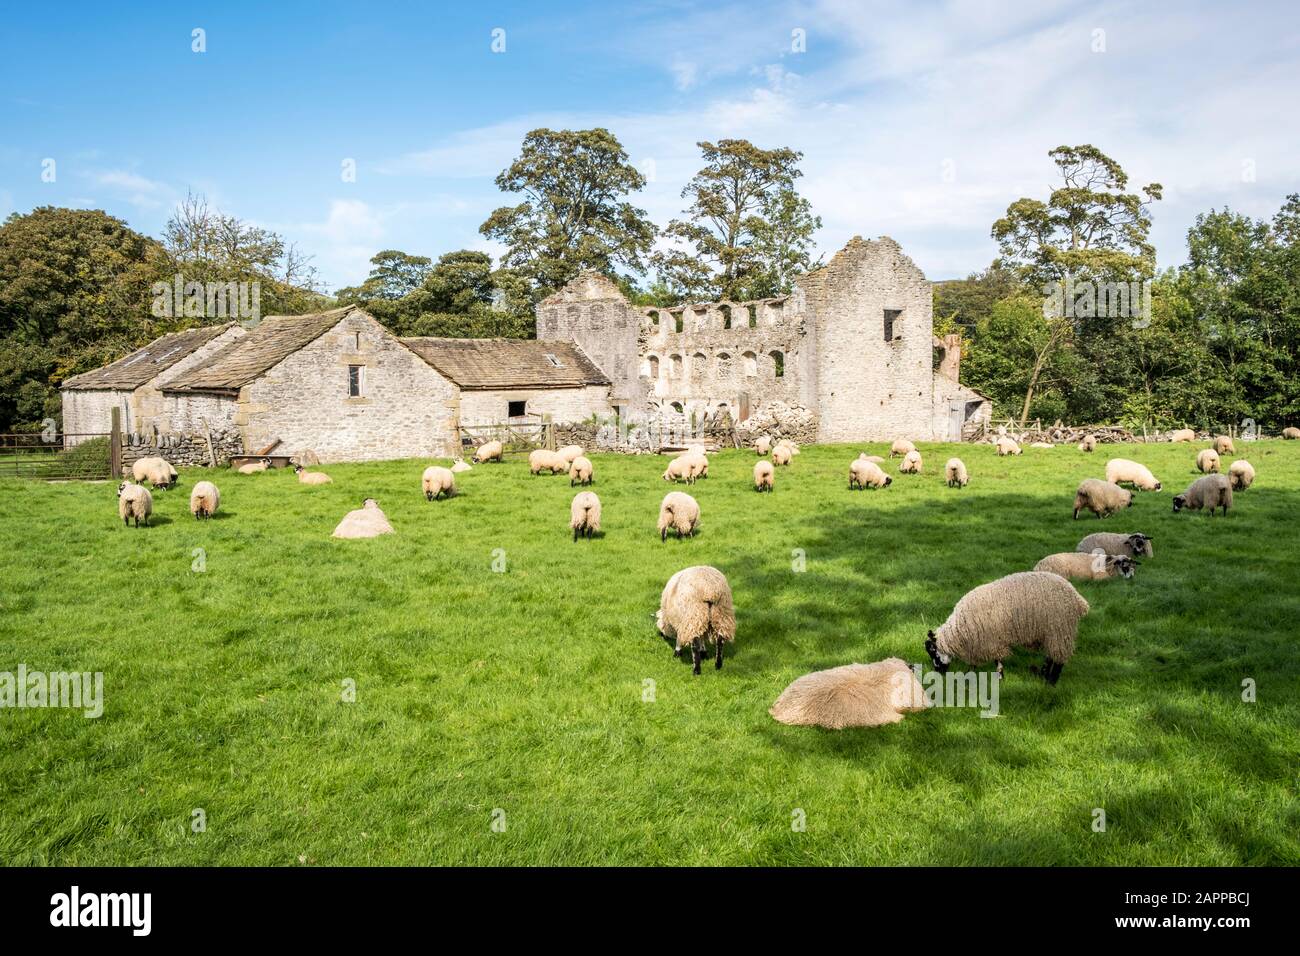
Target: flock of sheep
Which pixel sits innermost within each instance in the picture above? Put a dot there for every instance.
(1036, 610)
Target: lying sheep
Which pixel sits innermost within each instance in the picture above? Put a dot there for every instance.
(1207, 461)
(1182, 434)
(584, 515)
(312, 477)
(1223, 445)
(542, 460)
(911, 464)
(134, 501)
(580, 471)
(1007, 446)
(1291, 433)
(1133, 545)
(955, 473)
(763, 446)
(1041, 444)
(204, 499)
(695, 610)
(1212, 491)
(253, 467)
(763, 476)
(157, 471)
(1076, 565)
(459, 466)
(1089, 443)
(900, 448)
(570, 452)
(682, 469)
(876, 459)
(855, 695)
(1121, 471)
(365, 522)
(867, 474)
(1036, 610)
(492, 451)
(781, 455)
(1241, 474)
(436, 482)
(678, 512)
(1102, 498)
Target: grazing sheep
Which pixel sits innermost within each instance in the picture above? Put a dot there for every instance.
(1207, 461)
(584, 515)
(492, 451)
(1007, 446)
(763, 476)
(311, 477)
(437, 481)
(1133, 545)
(1122, 471)
(695, 610)
(1076, 565)
(763, 446)
(134, 501)
(955, 473)
(911, 464)
(253, 467)
(683, 469)
(1223, 445)
(1036, 610)
(365, 522)
(570, 452)
(1102, 498)
(1241, 474)
(157, 471)
(459, 466)
(1291, 433)
(698, 460)
(543, 460)
(1089, 443)
(781, 455)
(580, 471)
(794, 449)
(855, 695)
(1212, 491)
(867, 474)
(204, 499)
(900, 448)
(1182, 434)
(678, 512)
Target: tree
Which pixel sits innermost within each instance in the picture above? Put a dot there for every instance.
(393, 275)
(574, 215)
(747, 231)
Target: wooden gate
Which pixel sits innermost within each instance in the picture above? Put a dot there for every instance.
(515, 437)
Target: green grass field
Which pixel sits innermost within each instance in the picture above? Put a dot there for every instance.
(522, 691)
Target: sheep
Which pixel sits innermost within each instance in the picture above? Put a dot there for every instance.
(678, 512)
(157, 471)
(204, 499)
(541, 459)
(1122, 471)
(311, 477)
(696, 609)
(1135, 544)
(1007, 446)
(584, 515)
(492, 451)
(253, 467)
(864, 473)
(570, 452)
(134, 501)
(1291, 433)
(763, 476)
(763, 446)
(436, 482)
(368, 521)
(1182, 434)
(1241, 474)
(1036, 610)
(900, 448)
(854, 695)
(1087, 567)
(781, 455)
(460, 466)
(1089, 443)
(911, 465)
(1041, 444)
(580, 471)
(685, 469)
(875, 459)
(1212, 491)
(794, 449)
(955, 473)
(1207, 461)
(1102, 498)
(699, 461)
(1223, 445)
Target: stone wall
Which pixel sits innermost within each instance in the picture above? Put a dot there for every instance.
(89, 412)
(150, 408)
(592, 312)
(181, 450)
(561, 404)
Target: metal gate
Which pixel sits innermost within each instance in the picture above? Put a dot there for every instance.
(57, 456)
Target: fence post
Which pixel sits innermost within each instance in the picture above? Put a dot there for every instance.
(115, 445)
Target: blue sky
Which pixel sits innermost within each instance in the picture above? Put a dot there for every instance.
(917, 120)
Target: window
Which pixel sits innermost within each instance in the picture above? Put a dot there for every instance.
(891, 316)
(778, 364)
(751, 363)
(699, 365)
(675, 366)
(753, 315)
(652, 366)
(677, 322)
(554, 361)
(354, 381)
(516, 409)
(726, 315)
(357, 347)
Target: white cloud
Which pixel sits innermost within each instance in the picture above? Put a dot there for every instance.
(133, 188)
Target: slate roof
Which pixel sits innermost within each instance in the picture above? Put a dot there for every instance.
(141, 366)
(508, 363)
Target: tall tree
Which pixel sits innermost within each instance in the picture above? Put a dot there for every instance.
(574, 214)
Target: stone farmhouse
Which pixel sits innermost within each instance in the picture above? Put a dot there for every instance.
(852, 344)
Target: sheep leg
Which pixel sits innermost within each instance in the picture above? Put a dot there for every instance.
(575, 532)
(1051, 671)
(696, 652)
(718, 666)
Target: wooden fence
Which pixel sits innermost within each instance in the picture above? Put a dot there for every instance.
(515, 437)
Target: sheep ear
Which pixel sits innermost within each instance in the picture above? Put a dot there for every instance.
(929, 633)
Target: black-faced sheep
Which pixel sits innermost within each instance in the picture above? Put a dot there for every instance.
(1121, 471)
(542, 460)
(955, 473)
(867, 474)
(911, 464)
(581, 471)
(204, 499)
(1133, 545)
(311, 477)
(1207, 462)
(134, 502)
(368, 521)
(491, 451)
(1223, 445)
(1212, 491)
(763, 446)
(584, 515)
(695, 610)
(1078, 566)
(1089, 443)
(1036, 610)
(855, 695)
(781, 455)
(1102, 498)
(157, 471)
(436, 482)
(764, 476)
(1241, 474)
(678, 512)
(253, 467)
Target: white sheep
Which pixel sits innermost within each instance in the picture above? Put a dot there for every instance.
(864, 473)
(699, 461)
(787, 443)
(436, 482)
(1077, 565)
(1223, 445)
(368, 521)
(580, 471)
(1241, 474)
(584, 515)
(1007, 446)
(901, 447)
(1036, 610)
(1041, 444)
(911, 464)
(491, 451)
(570, 452)
(542, 460)
(764, 475)
(157, 471)
(1207, 461)
(854, 695)
(1102, 498)
(1291, 433)
(696, 609)
(683, 469)
(955, 473)
(459, 466)
(253, 467)
(678, 512)
(204, 499)
(781, 455)
(1135, 544)
(311, 477)
(1212, 491)
(876, 459)
(134, 502)
(1122, 471)
(763, 446)
(1182, 434)
(1089, 443)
